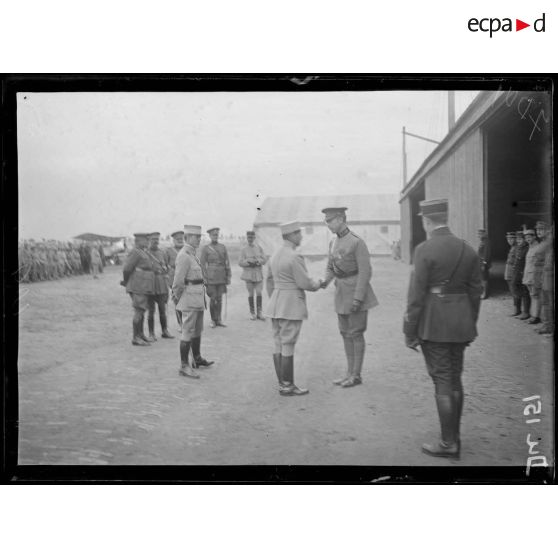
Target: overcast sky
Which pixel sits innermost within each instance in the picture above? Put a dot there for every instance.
(118, 163)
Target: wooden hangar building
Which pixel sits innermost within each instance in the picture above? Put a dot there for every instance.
(495, 168)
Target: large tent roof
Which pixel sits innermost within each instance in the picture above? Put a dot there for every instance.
(308, 209)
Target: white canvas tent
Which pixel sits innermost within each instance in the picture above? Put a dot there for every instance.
(374, 217)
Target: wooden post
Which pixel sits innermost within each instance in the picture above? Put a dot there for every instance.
(404, 161)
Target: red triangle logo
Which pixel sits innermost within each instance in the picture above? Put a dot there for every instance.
(519, 25)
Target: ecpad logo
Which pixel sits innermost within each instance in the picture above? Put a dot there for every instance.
(494, 24)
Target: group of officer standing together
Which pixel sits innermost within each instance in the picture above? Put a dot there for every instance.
(529, 273)
(443, 301)
(149, 273)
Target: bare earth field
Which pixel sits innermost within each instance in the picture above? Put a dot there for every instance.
(87, 396)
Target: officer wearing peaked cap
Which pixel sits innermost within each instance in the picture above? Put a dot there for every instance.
(349, 267)
(160, 294)
(286, 282)
(188, 293)
(217, 271)
(139, 279)
(251, 260)
(508, 271)
(443, 305)
(171, 253)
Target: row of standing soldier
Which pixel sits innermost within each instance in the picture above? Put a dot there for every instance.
(46, 261)
(529, 273)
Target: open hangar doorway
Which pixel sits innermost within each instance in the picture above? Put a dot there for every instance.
(518, 170)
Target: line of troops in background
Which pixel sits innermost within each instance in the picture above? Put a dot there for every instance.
(45, 261)
(529, 273)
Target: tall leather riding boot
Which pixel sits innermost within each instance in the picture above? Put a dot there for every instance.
(516, 306)
(251, 305)
(457, 400)
(447, 414)
(212, 310)
(138, 318)
(360, 348)
(151, 326)
(164, 324)
(185, 369)
(525, 305)
(277, 365)
(196, 352)
(287, 373)
(218, 306)
(259, 314)
(350, 354)
(136, 338)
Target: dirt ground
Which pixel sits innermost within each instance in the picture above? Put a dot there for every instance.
(87, 396)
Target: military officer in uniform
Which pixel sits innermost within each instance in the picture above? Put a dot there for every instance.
(286, 282)
(251, 260)
(517, 276)
(443, 306)
(349, 267)
(160, 294)
(485, 254)
(217, 271)
(139, 280)
(188, 294)
(171, 252)
(509, 272)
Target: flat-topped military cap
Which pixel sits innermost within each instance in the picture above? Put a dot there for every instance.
(213, 229)
(142, 235)
(519, 233)
(154, 234)
(333, 211)
(177, 233)
(290, 227)
(512, 233)
(529, 231)
(250, 233)
(429, 207)
(540, 225)
(192, 229)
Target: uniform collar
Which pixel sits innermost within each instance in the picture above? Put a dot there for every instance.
(189, 248)
(440, 231)
(343, 233)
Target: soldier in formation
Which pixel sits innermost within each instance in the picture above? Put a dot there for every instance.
(518, 268)
(46, 261)
(508, 272)
(217, 271)
(252, 259)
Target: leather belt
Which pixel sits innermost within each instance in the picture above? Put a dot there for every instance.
(442, 289)
(344, 274)
(193, 281)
